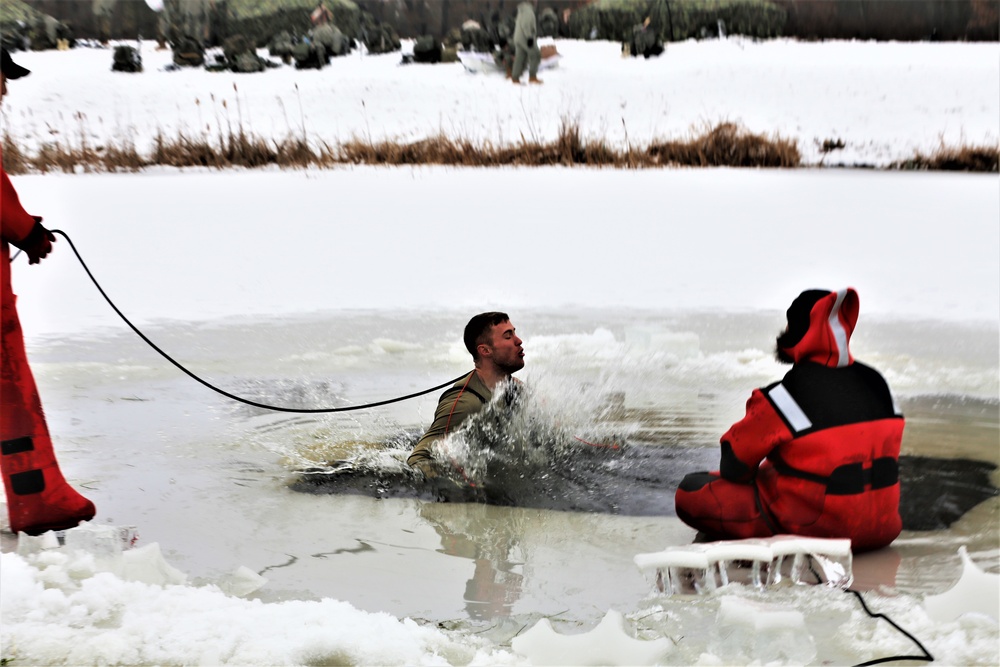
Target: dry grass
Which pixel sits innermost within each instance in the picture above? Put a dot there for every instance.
(728, 145)
(723, 145)
(949, 158)
(14, 159)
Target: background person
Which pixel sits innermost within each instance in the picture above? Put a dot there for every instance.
(526, 44)
(817, 453)
(38, 497)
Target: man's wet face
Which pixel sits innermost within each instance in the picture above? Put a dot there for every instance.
(507, 351)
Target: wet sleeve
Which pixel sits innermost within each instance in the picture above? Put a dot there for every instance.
(15, 222)
(749, 440)
(454, 408)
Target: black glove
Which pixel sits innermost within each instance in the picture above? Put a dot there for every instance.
(531, 42)
(38, 242)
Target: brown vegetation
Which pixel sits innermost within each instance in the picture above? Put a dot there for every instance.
(724, 145)
(961, 158)
(728, 145)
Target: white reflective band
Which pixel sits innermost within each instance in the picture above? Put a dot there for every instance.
(839, 333)
(788, 408)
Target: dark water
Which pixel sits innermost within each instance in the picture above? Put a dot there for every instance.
(634, 480)
(936, 492)
(640, 480)
(512, 454)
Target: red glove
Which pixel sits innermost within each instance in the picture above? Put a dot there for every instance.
(38, 242)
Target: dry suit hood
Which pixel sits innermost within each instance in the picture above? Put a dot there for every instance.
(820, 324)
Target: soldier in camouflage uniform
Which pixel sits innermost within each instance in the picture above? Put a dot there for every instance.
(188, 52)
(378, 37)
(333, 40)
(644, 41)
(497, 354)
(241, 56)
(309, 55)
(281, 47)
(526, 43)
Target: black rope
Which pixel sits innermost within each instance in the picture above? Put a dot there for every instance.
(222, 391)
(926, 657)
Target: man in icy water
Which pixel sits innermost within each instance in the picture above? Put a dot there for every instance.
(817, 453)
(497, 354)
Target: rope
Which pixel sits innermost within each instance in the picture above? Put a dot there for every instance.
(223, 392)
(926, 657)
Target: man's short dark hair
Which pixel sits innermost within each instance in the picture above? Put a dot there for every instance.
(478, 329)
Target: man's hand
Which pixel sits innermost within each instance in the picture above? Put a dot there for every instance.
(38, 242)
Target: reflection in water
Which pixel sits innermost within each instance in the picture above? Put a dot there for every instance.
(474, 532)
(874, 570)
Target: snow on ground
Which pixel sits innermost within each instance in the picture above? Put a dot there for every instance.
(883, 100)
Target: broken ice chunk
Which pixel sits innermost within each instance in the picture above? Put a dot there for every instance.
(759, 562)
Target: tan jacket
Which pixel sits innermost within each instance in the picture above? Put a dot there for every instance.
(465, 398)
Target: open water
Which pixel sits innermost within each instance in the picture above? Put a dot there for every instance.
(620, 405)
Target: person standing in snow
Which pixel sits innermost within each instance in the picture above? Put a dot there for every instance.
(38, 497)
(817, 453)
(526, 44)
(497, 354)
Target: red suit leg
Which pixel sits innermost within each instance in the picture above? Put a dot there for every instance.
(719, 508)
(38, 496)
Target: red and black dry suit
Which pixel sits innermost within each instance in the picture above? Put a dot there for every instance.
(817, 453)
(38, 497)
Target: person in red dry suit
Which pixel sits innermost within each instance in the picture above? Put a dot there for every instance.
(817, 453)
(38, 497)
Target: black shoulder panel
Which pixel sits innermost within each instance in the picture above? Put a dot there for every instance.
(837, 396)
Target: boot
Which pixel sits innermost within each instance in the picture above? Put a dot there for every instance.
(510, 73)
(534, 79)
(38, 497)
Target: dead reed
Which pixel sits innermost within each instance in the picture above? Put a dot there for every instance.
(951, 158)
(728, 145)
(723, 145)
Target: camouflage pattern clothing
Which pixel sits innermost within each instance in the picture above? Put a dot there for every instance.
(332, 39)
(644, 41)
(465, 398)
(526, 42)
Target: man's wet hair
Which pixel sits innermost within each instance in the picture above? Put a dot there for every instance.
(478, 329)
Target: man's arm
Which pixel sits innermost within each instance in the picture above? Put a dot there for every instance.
(16, 222)
(19, 227)
(454, 408)
(749, 440)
